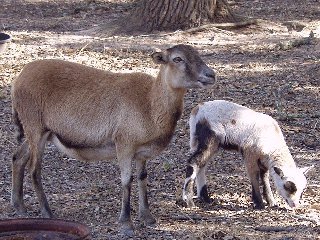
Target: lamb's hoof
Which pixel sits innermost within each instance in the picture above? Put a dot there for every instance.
(259, 207)
(190, 203)
(126, 229)
(273, 206)
(206, 200)
(181, 203)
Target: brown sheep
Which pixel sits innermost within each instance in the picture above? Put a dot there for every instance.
(92, 114)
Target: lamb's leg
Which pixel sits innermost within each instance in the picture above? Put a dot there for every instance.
(267, 192)
(187, 194)
(144, 211)
(19, 161)
(36, 152)
(202, 188)
(125, 156)
(256, 195)
(254, 175)
(196, 170)
(211, 147)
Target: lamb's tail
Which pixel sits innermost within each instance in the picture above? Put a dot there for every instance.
(19, 129)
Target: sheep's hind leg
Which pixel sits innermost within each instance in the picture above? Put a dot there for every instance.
(144, 211)
(36, 151)
(19, 161)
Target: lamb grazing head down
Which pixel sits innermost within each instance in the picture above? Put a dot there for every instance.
(221, 124)
(290, 183)
(91, 114)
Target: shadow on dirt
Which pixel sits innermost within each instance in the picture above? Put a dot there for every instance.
(60, 16)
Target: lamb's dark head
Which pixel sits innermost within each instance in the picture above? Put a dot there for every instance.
(290, 183)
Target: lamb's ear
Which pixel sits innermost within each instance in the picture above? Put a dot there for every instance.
(159, 58)
(290, 187)
(305, 170)
(278, 171)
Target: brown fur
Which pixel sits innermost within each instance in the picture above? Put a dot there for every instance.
(195, 110)
(93, 114)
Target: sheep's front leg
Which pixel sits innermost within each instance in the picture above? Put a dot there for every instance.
(125, 161)
(19, 161)
(144, 211)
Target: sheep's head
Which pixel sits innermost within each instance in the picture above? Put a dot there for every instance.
(183, 68)
(290, 183)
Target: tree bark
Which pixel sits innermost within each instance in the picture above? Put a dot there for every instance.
(159, 15)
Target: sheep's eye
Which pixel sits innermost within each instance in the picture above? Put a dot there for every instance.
(178, 59)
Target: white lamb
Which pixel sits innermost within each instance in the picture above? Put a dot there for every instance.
(257, 136)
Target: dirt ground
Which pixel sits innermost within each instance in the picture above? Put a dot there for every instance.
(272, 67)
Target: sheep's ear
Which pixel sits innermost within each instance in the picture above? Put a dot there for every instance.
(290, 187)
(305, 170)
(278, 171)
(159, 58)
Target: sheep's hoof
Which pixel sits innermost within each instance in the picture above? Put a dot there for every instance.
(147, 218)
(126, 229)
(21, 212)
(150, 221)
(46, 213)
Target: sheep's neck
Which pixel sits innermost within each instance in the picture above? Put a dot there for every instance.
(166, 104)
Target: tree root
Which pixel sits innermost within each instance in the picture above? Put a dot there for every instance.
(274, 229)
(223, 26)
(288, 45)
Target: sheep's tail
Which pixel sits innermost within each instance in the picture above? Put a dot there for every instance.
(19, 129)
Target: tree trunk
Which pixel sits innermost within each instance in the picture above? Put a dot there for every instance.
(151, 15)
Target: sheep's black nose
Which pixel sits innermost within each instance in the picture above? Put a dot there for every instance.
(208, 77)
(210, 74)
